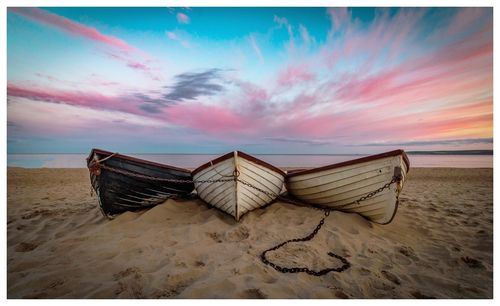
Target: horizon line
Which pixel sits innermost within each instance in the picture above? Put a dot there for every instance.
(444, 152)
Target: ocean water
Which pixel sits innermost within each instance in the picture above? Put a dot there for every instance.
(195, 160)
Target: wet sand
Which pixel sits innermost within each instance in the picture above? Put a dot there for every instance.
(440, 244)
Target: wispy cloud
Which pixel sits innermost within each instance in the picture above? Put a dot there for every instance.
(339, 16)
(45, 118)
(283, 23)
(212, 119)
(119, 49)
(134, 64)
(132, 103)
(172, 35)
(71, 27)
(296, 73)
(312, 142)
(306, 37)
(255, 47)
(183, 18)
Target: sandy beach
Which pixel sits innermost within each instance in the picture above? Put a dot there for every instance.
(440, 244)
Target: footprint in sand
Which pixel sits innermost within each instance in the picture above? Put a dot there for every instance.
(26, 247)
(129, 283)
(393, 278)
(20, 227)
(238, 234)
(419, 295)
(254, 293)
(341, 295)
(402, 260)
(126, 272)
(473, 263)
(408, 252)
(44, 294)
(216, 237)
(364, 271)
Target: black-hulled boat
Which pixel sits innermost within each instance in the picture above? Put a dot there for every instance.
(123, 183)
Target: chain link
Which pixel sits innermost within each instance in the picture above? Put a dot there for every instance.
(268, 193)
(234, 177)
(345, 263)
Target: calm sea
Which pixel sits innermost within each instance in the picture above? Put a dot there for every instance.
(193, 161)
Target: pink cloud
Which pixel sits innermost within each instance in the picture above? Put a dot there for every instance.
(472, 120)
(77, 29)
(176, 37)
(339, 16)
(171, 35)
(212, 119)
(385, 33)
(295, 74)
(91, 81)
(42, 118)
(308, 126)
(465, 18)
(182, 18)
(472, 126)
(71, 27)
(447, 72)
(86, 99)
(254, 98)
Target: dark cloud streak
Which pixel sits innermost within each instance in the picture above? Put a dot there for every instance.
(191, 85)
(312, 142)
(188, 86)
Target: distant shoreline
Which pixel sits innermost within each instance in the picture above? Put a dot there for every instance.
(459, 152)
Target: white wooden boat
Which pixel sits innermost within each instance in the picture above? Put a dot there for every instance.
(337, 186)
(237, 170)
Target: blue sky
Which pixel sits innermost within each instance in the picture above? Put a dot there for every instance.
(263, 80)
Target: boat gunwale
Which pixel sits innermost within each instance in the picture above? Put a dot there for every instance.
(241, 154)
(134, 159)
(353, 162)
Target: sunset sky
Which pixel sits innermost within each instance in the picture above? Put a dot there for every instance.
(262, 80)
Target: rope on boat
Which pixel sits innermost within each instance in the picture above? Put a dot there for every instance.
(105, 158)
(96, 168)
(235, 174)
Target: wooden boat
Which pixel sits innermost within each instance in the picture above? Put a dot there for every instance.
(123, 183)
(337, 186)
(237, 171)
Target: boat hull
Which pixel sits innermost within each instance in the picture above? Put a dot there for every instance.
(237, 171)
(337, 186)
(117, 192)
